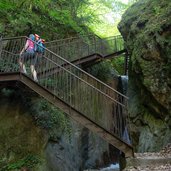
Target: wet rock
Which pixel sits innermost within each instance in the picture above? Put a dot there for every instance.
(145, 27)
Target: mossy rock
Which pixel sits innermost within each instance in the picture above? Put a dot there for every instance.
(146, 29)
(22, 143)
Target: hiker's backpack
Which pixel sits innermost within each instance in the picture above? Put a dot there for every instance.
(39, 47)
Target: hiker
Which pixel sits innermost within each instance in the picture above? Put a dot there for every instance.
(43, 43)
(39, 46)
(26, 54)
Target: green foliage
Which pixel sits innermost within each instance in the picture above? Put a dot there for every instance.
(30, 161)
(108, 14)
(102, 71)
(7, 65)
(24, 17)
(118, 64)
(57, 19)
(105, 70)
(50, 118)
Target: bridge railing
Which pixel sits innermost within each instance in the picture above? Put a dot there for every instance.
(72, 49)
(92, 98)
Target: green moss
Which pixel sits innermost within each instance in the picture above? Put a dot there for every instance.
(102, 71)
(152, 121)
(146, 29)
(49, 117)
(30, 161)
(118, 64)
(21, 142)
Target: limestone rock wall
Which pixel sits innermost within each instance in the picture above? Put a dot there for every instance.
(22, 143)
(27, 140)
(146, 29)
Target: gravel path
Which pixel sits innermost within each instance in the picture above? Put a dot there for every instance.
(163, 155)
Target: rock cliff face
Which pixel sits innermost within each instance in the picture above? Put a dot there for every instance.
(21, 142)
(146, 29)
(26, 138)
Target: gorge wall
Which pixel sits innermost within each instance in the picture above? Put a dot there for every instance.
(146, 29)
(37, 135)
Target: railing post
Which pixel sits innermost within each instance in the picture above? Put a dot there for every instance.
(126, 63)
(94, 44)
(0, 46)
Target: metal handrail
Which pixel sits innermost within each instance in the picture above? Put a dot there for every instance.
(86, 82)
(73, 49)
(65, 61)
(91, 76)
(69, 38)
(88, 95)
(78, 38)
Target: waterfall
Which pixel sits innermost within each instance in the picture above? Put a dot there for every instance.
(123, 81)
(122, 87)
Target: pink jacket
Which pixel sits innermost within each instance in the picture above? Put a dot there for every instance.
(29, 45)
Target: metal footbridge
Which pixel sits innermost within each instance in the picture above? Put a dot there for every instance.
(89, 101)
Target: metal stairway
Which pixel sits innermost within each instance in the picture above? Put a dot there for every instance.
(86, 51)
(80, 95)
